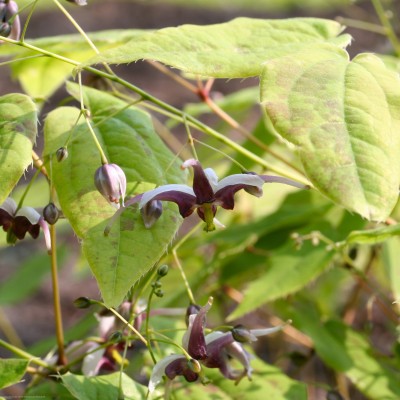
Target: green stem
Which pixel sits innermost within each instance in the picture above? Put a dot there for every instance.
(183, 275)
(28, 20)
(62, 360)
(88, 123)
(147, 326)
(25, 355)
(390, 33)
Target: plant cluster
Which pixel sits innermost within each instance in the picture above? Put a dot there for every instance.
(315, 255)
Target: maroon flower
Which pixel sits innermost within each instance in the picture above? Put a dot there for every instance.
(17, 222)
(214, 350)
(207, 193)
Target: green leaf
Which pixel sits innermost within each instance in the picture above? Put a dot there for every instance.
(128, 139)
(106, 387)
(343, 116)
(40, 76)
(17, 135)
(234, 49)
(348, 352)
(288, 272)
(11, 371)
(372, 236)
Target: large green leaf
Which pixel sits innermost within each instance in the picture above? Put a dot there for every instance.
(344, 118)
(372, 236)
(235, 49)
(17, 135)
(11, 371)
(348, 352)
(129, 140)
(40, 76)
(106, 387)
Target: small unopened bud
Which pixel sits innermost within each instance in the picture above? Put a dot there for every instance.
(78, 2)
(61, 154)
(51, 213)
(82, 302)
(151, 212)
(242, 335)
(162, 270)
(194, 365)
(110, 181)
(10, 25)
(159, 293)
(115, 337)
(156, 284)
(333, 395)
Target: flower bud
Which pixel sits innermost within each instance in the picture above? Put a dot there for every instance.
(242, 335)
(115, 337)
(162, 270)
(10, 25)
(151, 212)
(159, 293)
(192, 309)
(51, 213)
(61, 154)
(78, 2)
(82, 302)
(110, 181)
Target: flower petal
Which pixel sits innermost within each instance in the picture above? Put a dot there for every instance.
(201, 184)
(182, 195)
(194, 337)
(92, 362)
(227, 187)
(180, 367)
(30, 214)
(285, 181)
(46, 233)
(9, 206)
(212, 177)
(159, 370)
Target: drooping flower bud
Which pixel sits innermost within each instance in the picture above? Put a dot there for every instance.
(151, 212)
(110, 181)
(242, 335)
(61, 154)
(51, 213)
(78, 2)
(82, 302)
(162, 270)
(10, 25)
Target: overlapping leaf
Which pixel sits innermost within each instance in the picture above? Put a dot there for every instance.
(17, 135)
(129, 140)
(235, 49)
(11, 371)
(343, 116)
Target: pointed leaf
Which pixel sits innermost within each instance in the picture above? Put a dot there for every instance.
(234, 49)
(17, 135)
(344, 118)
(11, 371)
(348, 352)
(128, 139)
(372, 236)
(106, 387)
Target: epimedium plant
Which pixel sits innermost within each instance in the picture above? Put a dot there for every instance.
(329, 127)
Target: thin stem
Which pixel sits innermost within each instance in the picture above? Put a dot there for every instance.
(28, 20)
(190, 138)
(62, 360)
(9, 331)
(390, 33)
(147, 326)
(88, 123)
(363, 25)
(39, 164)
(121, 318)
(24, 354)
(183, 275)
(28, 186)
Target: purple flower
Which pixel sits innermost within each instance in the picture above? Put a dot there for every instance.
(208, 193)
(17, 222)
(10, 25)
(110, 181)
(214, 350)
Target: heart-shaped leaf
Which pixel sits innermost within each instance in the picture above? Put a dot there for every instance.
(18, 131)
(129, 140)
(343, 117)
(234, 49)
